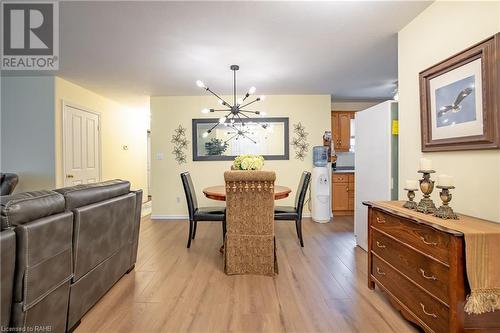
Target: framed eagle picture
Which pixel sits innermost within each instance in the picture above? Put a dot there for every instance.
(460, 100)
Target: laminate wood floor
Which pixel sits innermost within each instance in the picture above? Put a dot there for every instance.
(320, 288)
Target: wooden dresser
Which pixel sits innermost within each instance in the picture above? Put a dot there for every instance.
(421, 267)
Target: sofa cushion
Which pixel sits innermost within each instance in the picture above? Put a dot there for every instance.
(83, 195)
(24, 207)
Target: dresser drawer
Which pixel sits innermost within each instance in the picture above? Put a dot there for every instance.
(428, 273)
(340, 178)
(429, 311)
(420, 237)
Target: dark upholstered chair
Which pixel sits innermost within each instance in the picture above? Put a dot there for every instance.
(287, 213)
(199, 213)
(8, 182)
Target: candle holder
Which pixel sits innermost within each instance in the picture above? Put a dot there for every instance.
(426, 205)
(445, 211)
(410, 204)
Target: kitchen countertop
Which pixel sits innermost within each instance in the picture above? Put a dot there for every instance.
(344, 170)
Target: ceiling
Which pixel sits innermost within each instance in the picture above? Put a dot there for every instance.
(134, 49)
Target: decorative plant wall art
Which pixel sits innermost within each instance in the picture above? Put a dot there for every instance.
(299, 141)
(180, 144)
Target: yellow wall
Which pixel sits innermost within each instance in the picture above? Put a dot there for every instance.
(313, 111)
(440, 31)
(120, 126)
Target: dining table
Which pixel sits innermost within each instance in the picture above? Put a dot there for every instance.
(218, 192)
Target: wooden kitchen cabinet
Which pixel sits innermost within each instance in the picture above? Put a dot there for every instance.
(343, 193)
(341, 130)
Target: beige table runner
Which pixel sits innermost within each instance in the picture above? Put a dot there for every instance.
(482, 255)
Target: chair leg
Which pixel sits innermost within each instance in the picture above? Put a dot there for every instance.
(190, 233)
(298, 226)
(223, 230)
(195, 224)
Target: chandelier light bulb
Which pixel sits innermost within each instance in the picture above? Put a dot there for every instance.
(205, 111)
(252, 90)
(262, 98)
(200, 84)
(205, 134)
(262, 113)
(222, 120)
(221, 102)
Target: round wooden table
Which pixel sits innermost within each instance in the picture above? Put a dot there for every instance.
(219, 192)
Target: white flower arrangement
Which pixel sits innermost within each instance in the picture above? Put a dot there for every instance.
(248, 162)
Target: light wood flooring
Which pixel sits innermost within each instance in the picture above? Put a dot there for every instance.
(320, 288)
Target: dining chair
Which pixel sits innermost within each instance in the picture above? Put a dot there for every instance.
(288, 213)
(199, 213)
(249, 246)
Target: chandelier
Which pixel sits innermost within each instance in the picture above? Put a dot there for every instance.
(236, 117)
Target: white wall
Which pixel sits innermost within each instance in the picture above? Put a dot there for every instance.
(27, 131)
(441, 30)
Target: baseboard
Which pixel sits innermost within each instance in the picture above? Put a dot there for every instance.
(169, 217)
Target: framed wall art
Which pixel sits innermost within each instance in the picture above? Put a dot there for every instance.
(460, 100)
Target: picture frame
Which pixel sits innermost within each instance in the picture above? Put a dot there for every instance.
(460, 100)
(280, 150)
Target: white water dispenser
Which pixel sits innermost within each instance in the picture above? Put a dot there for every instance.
(321, 186)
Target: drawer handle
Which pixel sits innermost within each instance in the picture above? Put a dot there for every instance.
(431, 277)
(379, 220)
(382, 246)
(433, 315)
(380, 272)
(428, 243)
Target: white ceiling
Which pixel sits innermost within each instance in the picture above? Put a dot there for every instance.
(346, 49)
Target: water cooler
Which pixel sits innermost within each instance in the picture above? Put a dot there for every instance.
(320, 186)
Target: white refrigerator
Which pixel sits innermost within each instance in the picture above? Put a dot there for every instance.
(376, 162)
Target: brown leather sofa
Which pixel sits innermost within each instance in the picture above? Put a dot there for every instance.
(106, 229)
(73, 244)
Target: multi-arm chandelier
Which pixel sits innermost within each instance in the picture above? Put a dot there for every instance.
(236, 115)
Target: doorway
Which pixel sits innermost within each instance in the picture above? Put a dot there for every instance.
(149, 164)
(81, 146)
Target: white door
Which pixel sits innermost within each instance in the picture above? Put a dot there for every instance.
(81, 146)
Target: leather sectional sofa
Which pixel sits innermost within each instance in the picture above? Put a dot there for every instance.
(63, 250)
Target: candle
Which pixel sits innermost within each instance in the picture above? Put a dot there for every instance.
(425, 164)
(411, 185)
(445, 180)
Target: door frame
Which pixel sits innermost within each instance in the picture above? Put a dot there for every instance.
(66, 103)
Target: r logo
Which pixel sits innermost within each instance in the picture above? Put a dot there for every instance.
(28, 29)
